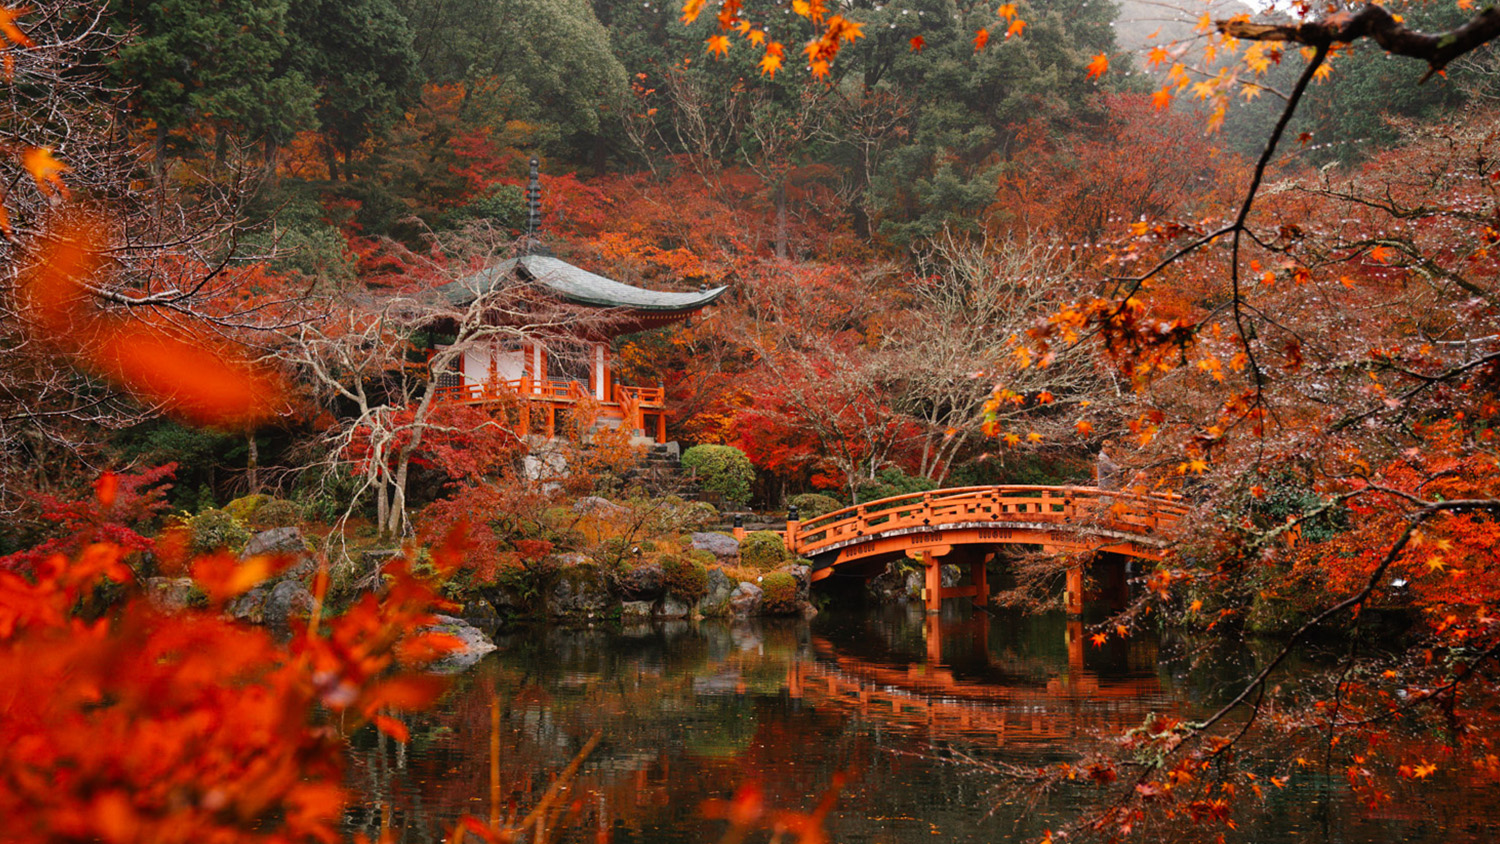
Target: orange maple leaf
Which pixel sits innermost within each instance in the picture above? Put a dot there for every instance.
(981, 38)
(843, 29)
(917, 43)
(1157, 56)
(1098, 66)
(718, 44)
(1099, 639)
(690, 10)
(771, 61)
(45, 169)
(756, 37)
(1015, 28)
(8, 27)
(1162, 99)
(1084, 427)
(1007, 11)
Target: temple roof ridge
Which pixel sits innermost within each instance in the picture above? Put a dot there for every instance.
(577, 285)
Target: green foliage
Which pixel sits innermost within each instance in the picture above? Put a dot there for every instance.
(763, 549)
(780, 593)
(702, 557)
(300, 238)
(224, 61)
(1285, 497)
(198, 453)
(722, 469)
(359, 55)
(549, 59)
(324, 498)
(685, 577)
(502, 206)
(892, 481)
(811, 505)
(213, 530)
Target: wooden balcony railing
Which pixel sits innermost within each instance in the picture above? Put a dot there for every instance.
(570, 392)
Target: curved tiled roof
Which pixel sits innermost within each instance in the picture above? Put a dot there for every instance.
(578, 286)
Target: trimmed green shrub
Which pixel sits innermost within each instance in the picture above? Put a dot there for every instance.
(685, 578)
(722, 469)
(780, 593)
(762, 550)
(216, 529)
(811, 505)
(891, 482)
(278, 512)
(246, 506)
(699, 555)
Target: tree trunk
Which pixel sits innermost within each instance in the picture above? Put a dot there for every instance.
(273, 154)
(398, 499)
(331, 159)
(382, 505)
(252, 467)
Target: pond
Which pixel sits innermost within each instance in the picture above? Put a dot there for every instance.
(918, 715)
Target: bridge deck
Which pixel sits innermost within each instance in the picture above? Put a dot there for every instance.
(932, 524)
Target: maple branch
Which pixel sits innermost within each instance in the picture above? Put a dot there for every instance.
(1358, 598)
(1374, 22)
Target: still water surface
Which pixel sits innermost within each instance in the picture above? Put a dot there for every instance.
(918, 713)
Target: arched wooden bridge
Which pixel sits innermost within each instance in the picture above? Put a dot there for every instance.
(962, 525)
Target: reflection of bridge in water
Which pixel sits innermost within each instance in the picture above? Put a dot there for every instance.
(931, 697)
(965, 526)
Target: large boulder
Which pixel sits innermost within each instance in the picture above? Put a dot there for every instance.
(475, 644)
(172, 594)
(895, 585)
(593, 505)
(579, 592)
(287, 600)
(716, 600)
(745, 600)
(675, 607)
(283, 541)
(635, 612)
(250, 606)
(803, 575)
(645, 583)
(721, 546)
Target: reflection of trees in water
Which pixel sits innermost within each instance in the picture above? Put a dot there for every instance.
(690, 712)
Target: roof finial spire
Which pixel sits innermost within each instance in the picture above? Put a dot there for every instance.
(534, 200)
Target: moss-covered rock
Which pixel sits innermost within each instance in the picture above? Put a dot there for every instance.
(763, 550)
(685, 578)
(778, 593)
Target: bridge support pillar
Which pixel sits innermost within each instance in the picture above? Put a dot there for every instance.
(1073, 594)
(932, 585)
(979, 577)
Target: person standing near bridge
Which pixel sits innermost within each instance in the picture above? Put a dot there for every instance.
(1106, 470)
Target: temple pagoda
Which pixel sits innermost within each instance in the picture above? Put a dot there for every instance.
(573, 371)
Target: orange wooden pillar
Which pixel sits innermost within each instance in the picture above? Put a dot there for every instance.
(551, 420)
(932, 591)
(1073, 599)
(980, 578)
(661, 426)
